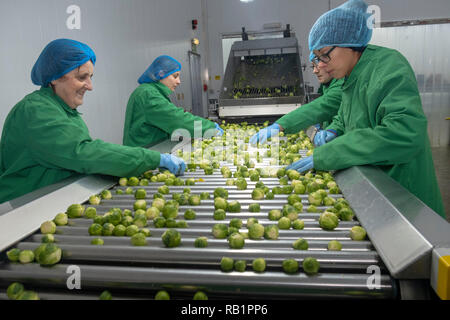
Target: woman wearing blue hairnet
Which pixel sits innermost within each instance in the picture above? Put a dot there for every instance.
(151, 117)
(380, 120)
(44, 138)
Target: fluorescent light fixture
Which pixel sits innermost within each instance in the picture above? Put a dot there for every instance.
(246, 1)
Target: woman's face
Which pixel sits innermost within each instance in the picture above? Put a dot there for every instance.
(341, 63)
(172, 81)
(73, 85)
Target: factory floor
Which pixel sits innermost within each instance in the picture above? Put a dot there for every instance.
(441, 158)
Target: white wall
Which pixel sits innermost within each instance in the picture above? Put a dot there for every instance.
(229, 16)
(126, 36)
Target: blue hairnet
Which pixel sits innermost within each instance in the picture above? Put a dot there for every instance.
(162, 67)
(58, 58)
(344, 26)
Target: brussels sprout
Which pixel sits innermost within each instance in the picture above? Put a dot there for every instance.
(189, 182)
(187, 190)
(123, 182)
(281, 173)
(60, 219)
(106, 194)
(115, 217)
(240, 265)
(201, 242)
(236, 223)
(284, 181)
(299, 189)
(90, 213)
(287, 189)
(168, 182)
(226, 264)
(146, 232)
(290, 266)
(256, 231)
(140, 220)
(254, 207)
(97, 241)
(162, 295)
(159, 222)
(234, 206)
(270, 195)
(220, 231)
(254, 176)
(311, 265)
(258, 194)
(28, 295)
(194, 200)
(346, 214)
(312, 209)
(170, 211)
(334, 190)
(298, 224)
(293, 198)
(241, 184)
(259, 265)
(181, 224)
(14, 290)
(300, 244)
(26, 256)
(171, 238)
(105, 295)
(208, 170)
(131, 230)
(290, 212)
(139, 239)
(120, 230)
(95, 229)
(133, 181)
(48, 238)
(13, 255)
(358, 233)
(152, 213)
(200, 296)
(75, 211)
(159, 203)
(126, 221)
(48, 254)
(334, 245)
(140, 204)
(284, 223)
(236, 241)
(251, 221)
(140, 194)
(341, 203)
(315, 199)
(163, 189)
(48, 227)
(190, 214)
(271, 232)
(328, 201)
(219, 214)
(274, 215)
(95, 200)
(220, 203)
(293, 174)
(129, 190)
(204, 196)
(328, 221)
(312, 187)
(277, 190)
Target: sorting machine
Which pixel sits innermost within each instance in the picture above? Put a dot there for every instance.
(406, 254)
(263, 79)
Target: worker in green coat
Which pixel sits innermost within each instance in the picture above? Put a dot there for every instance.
(380, 120)
(44, 138)
(151, 117)
(320, 111)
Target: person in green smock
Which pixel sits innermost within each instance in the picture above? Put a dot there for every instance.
(151, 117)
(380, 121)
(319, 111)
(44, 138)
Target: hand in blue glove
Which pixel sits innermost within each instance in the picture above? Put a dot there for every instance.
(324, 136)
(172, 163)
(302, 164)
(262, 135)
(219, 132)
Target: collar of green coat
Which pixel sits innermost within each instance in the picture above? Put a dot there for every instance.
(163, 88)
(49, 92)
(363, 60)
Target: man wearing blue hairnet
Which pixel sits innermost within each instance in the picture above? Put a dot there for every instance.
(44, 138)
(151, 117)
(380, 120)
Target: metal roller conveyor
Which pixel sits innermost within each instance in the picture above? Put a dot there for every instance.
(138, 272)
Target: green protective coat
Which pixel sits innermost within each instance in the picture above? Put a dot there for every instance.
(44, 141)
(322, 109)
(151, 117)
(381, 122)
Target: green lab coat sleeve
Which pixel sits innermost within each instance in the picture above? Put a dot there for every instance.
(322, 109)
(58, 143)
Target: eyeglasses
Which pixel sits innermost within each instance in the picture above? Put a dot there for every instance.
(313, 66)
(325, 58)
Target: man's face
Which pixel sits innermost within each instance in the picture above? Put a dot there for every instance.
(172, 81)
(73, 85)
(321, 74)
(340, 61)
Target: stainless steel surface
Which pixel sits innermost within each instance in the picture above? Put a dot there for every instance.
(402, 229)
(259, 110)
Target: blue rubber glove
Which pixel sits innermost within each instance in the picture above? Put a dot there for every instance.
(219, 132)
(324, 136)
(302, 164)
(262, 135)
(172, 163)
